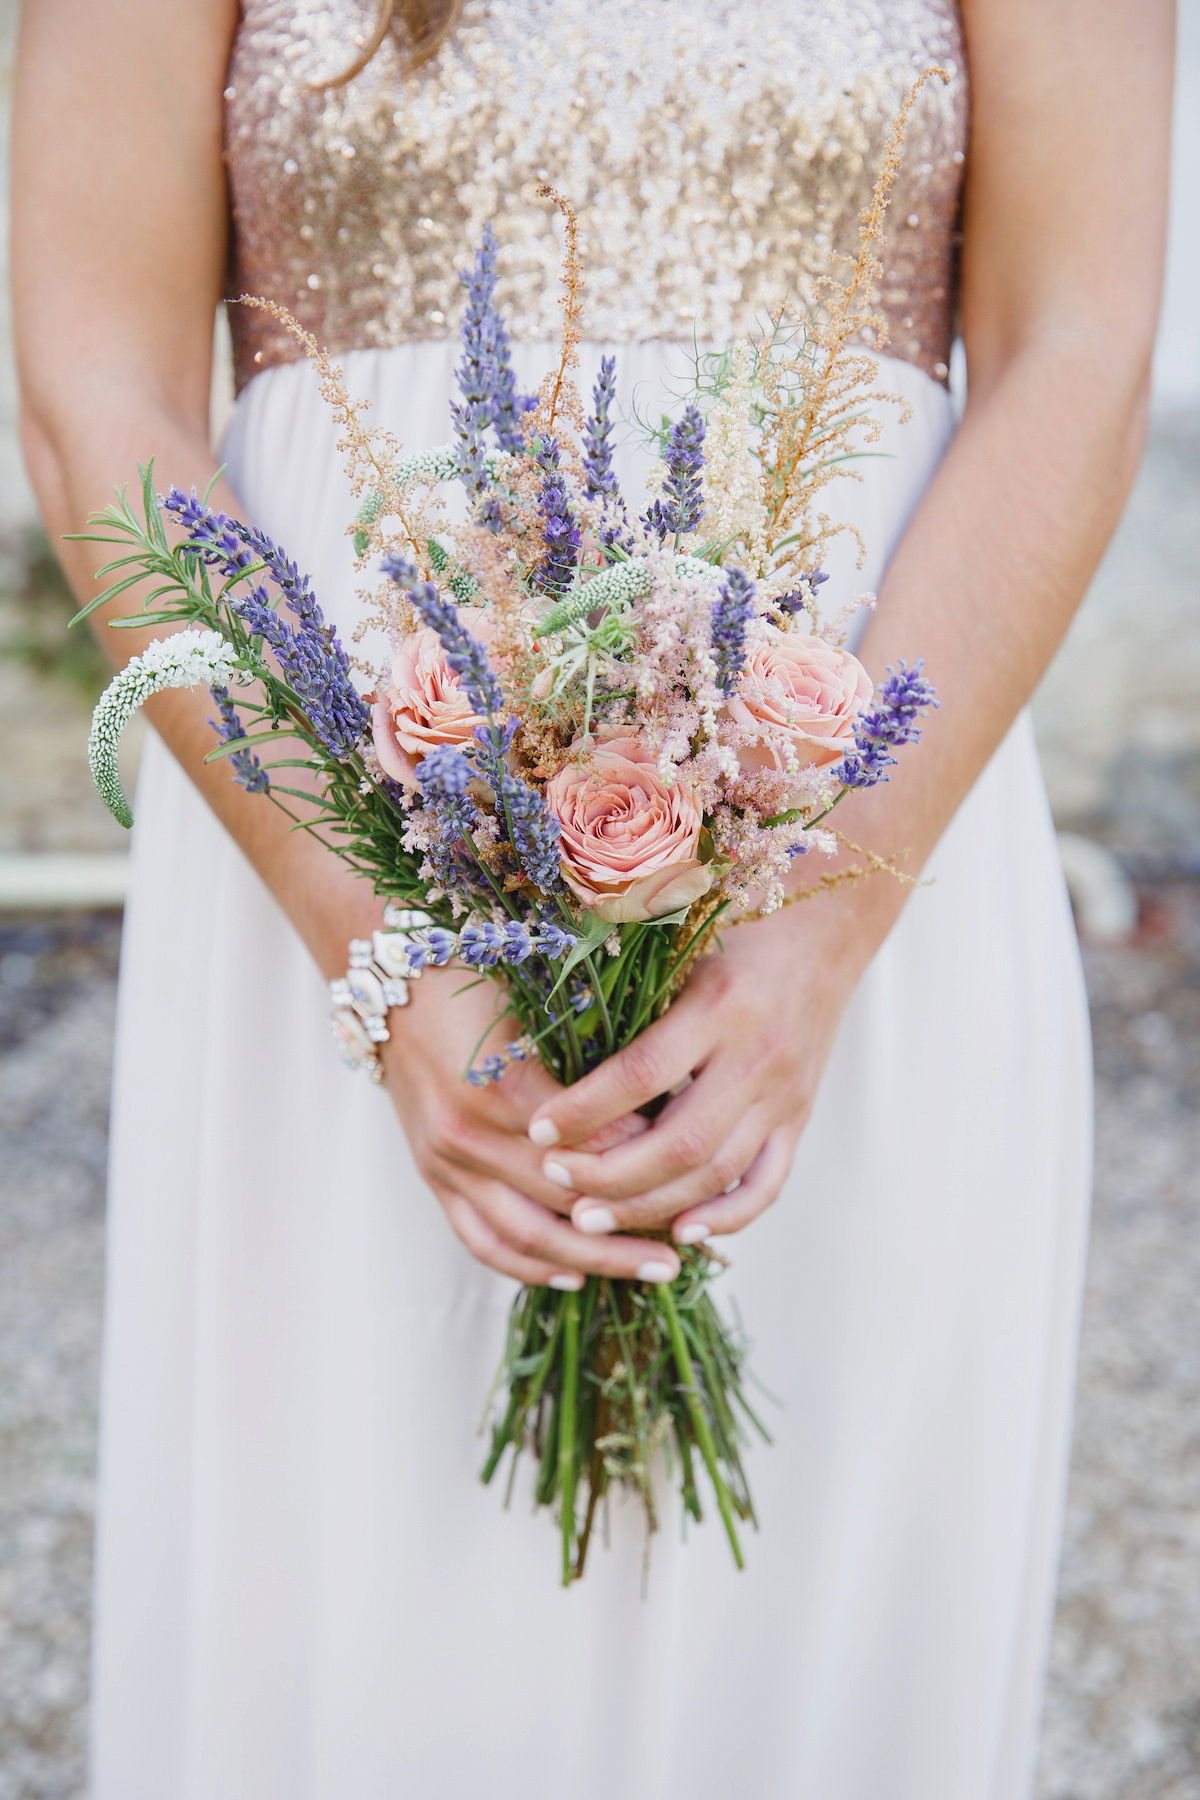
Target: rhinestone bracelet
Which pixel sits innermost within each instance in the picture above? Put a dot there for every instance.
(377, 980)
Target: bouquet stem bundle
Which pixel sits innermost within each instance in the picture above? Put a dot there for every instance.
(602, 1382)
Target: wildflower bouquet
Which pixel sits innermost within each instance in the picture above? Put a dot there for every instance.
(600, 735)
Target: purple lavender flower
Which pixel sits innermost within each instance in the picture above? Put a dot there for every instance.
(465, 654)
(730, 616)
(482, 943)
(597, 450)
(316, 668)
(890, 723)
(248, 772)
(681, 506)
(486, 380)
(220, 540)
(445, 777)
(489, 1070)
(311, 659)
(551, 941)
(559, 525)
(531, 829)
(433, 944)
(797, 600)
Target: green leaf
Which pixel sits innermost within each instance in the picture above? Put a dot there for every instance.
(595, 931)
(248, 742)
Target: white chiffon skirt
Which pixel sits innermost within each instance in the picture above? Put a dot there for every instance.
(304, 1593)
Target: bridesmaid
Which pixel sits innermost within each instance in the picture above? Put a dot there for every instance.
(301, 1590)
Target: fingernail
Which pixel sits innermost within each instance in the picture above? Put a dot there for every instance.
(692, 1234)
(557, 1172)
(567, 1284)
(543, 1133)
(593, 1220)
(656, 1271)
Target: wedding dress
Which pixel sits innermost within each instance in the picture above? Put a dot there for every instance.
(303, 1592)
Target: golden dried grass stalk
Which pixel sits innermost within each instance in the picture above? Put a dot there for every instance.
(558, 394)
(815, 395)
(370, 456)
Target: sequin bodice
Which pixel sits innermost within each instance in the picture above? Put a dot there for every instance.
(716, 152)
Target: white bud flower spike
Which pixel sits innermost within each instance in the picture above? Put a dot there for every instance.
(183, 660)
(620, 584)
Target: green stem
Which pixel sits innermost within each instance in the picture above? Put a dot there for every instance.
(610, 1042)
(567, 1471)
(699, 1420)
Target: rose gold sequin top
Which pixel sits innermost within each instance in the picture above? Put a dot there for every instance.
(715, 150)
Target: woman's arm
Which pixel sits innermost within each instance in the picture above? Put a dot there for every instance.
(119, 240)
(1064, 227)
(119, 235)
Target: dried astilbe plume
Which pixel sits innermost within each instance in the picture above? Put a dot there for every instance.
(371, 458)
(558, 397)
(815, 392)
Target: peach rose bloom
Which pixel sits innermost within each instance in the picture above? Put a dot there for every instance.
(798, 691)
(629, 842)
(423, 703)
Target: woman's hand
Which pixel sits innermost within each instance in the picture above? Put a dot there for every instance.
(753, 1029)
(472, 1145)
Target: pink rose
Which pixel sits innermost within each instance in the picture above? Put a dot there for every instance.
(423, 703)
(629, 842)
(802, 692)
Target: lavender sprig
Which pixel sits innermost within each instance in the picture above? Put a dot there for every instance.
(597, 450)
(532, 830)
(890, 723)
(445, 779)
(560, 527)
(680, 508)
(486, 381)
(476, 376)
(485, 943)
(493, 1067)
(464, 653)
(248, 772)
(311, 658)
(798, 600)
(730, 616)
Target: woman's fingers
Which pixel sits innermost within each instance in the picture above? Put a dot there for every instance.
(658, 1206)
(758, 1188)
(541, 1236)
(501, 1156)
(653, 1064)
(689, 1136)
(486, 1246)
(469, 1143)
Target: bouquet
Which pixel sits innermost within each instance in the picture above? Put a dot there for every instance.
(602, 735)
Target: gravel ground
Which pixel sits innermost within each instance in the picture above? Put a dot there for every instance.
(1123, 1709)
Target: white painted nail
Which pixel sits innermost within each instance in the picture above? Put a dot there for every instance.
(557, 1172)
(567, 1284)
(692, 1234)
(656, 1271)
(543, 1133)
(594, 1220)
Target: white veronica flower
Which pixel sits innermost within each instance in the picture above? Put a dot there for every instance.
(183, 660)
